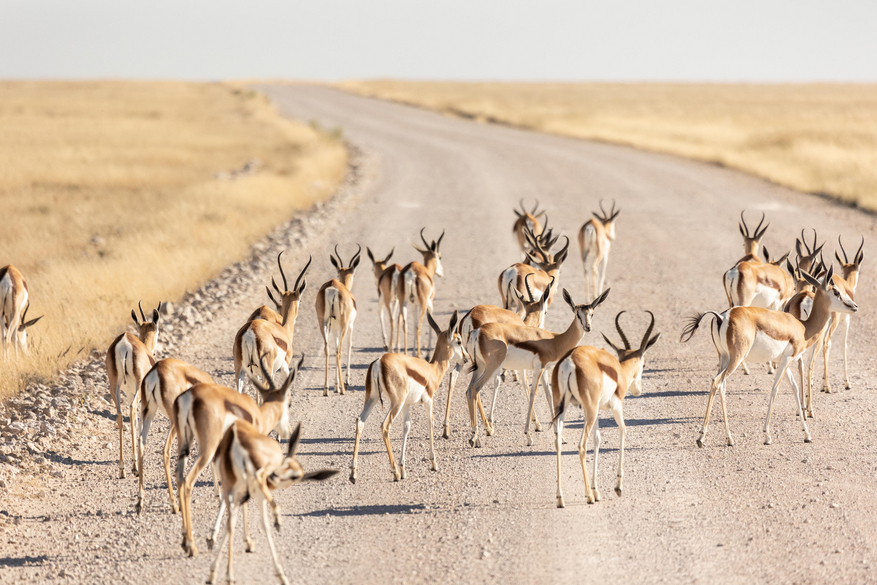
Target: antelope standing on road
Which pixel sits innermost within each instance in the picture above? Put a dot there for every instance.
(336, 312)
(167, 379)
(595, 240)
(405, 381)
(534, 316)
(416, 285)
(545, 269)
(253, 466)
(206, 411)
(595, 379)
(271, 336)
(518, 347)
(527, 221)
(761, 335)
(386, 277)
(128, 359)
(14, 302)
(847, 283)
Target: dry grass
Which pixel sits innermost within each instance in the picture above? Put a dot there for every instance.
(819, 138)
(108, 195)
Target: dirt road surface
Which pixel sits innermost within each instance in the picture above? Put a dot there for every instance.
(789, 512)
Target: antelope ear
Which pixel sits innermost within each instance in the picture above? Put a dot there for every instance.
(302, 286)
(31, 322)
(355, 263)
(810, 280)
(134, 316)
(798, 248)
(562, 256)
(518, 213)
(766, 254)
(334, 262)
(859, 258)
(433, 324)
(156, 317)
(652, 342)
(784, 257)
(453, 324)
(569, 301)
(828, 275)
(293, 441)
(390, 255)
(612, 345)
(370, 255)
(839, 261)
(601, 298)
(421, 250)
(789, 267)
(321, 475)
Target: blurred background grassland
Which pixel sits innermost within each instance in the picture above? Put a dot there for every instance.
(817, 138)
(109, 194)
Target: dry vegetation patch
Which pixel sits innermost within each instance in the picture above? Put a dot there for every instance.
(819, 138)
(117, 191)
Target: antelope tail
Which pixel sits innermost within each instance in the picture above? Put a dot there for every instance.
(693, 323)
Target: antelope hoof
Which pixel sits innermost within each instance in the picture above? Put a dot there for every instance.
(847, 385)
(596, 495)
(700, 442)
(767, 440)
(591, 499)
(174, 508)
(325, 391)
(434, 465)
(403, 474)
(210, 543)
(730, 442)
(560, 502)
(446, 434)
(352, 475)
(529, 440)
(475, 442)
(193, 551)
(538, 427)
(396, 476)
(618, 491)
(251, 546)
(808, 438)
(121, 473)
(488, 431)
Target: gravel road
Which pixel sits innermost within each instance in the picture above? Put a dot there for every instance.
(789, 512)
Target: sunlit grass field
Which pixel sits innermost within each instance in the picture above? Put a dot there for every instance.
(109, 194)
(818, 138)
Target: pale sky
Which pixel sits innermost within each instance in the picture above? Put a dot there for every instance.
(613, 40)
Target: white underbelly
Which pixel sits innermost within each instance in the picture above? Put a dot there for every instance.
(519, 359)
(766, 349)
(765, 297)
(416, 393)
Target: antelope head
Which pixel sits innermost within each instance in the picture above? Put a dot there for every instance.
(147, 329)
(608, 219)
(584, 313)
(289, 299)
(21, 334)
(290, 471)
(271, 393)
(431, 252)
(345, 273)
(627, 353)
(807, 254)
(850, 267)
(379, 265)
(450, 338)
(530, 218)
(752, 240)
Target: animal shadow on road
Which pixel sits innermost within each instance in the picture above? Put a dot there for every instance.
(22, 561)
(375, 510)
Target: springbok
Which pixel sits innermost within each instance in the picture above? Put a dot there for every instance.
(847, 283)
(595, 240)
(534, 316)
(407, 380)
(416, 285)
(751, 243)
(336, 312)
(595, 379)
(527, 221)
(761, 335)
(386, 276)
(252, 466)
(204, 413)
(161, 385)
(270, 335)
(14, 303)
(128, 359)
(518, 347)
(545, 270)
(807, 254)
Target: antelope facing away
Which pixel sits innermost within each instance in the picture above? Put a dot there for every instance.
(527, 221)
(336, 312)
(252, 466)
(14, 303)
(206, 411)
(161, 385)
(518, 347)
(416, 285)
(761, 335)
(128, 359)
(545, 268)
(386, 277)
(534, 316)
(270, 334)
(595, 240)
(847, 283)
(407, 380)
(597, 380)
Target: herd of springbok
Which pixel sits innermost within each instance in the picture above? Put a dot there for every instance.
(777, 311)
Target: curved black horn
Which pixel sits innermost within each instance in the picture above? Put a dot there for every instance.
(439, 241)
(24, 315)
(648, 331)
(425, 243)
(562, 250)
(756, 233)
(302, 274)
(744, 229)
(521, 203)
(856, 257)
(355, 256)
(142, 315)
(842, 250)
(804, 242)
(620, 332)
(270, 296)
(527, 284)
(282, 274)
(535, 208)
(337, 255)
(603, 211)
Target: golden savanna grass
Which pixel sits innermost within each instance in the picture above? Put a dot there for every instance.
(109, 194)
(818, 138)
